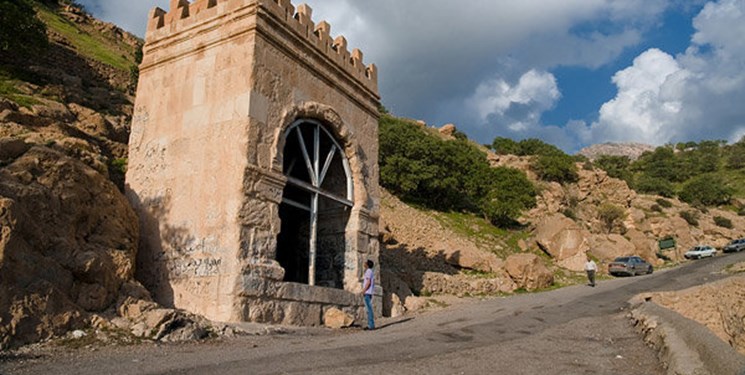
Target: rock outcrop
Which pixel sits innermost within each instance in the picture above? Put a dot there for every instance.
(67, 244)
(419, 255)
(566, 222)
(630, 150)
(529, 271)
(562, 239)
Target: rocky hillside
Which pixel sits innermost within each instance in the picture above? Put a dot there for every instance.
(427, 252)
(630, 150)
(68, 237)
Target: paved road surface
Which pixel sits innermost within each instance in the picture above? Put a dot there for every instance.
(574, 330)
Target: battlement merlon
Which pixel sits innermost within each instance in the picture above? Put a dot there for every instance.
(183, 15)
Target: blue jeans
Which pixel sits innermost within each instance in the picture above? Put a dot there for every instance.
(368, 307)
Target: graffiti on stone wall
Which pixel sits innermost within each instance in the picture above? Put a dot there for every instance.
(189, 267)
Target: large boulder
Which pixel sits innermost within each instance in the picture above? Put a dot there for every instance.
(563, 240)
(528, 271)
(644, 246)
(473, 259)
(596, 187)
(608, 247)
(336, 319)
(68, 241)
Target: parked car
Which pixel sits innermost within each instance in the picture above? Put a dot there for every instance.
(700, 251)
(630, 266)
(736, 245)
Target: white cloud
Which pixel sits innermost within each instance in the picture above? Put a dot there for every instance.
(648, 99)
(130, 15)
(434, 52)
(516, 107)
(696, 95)
(436, 55)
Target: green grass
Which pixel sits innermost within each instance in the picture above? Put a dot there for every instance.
(9, 91)
(93, 47)
(479, 274)
(120, 165)
(502, 242)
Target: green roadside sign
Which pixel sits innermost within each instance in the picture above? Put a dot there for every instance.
(667, 243)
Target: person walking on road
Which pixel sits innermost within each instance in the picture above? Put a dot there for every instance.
(367, 290)
(591, 268)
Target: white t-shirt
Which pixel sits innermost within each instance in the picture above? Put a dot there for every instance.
(369, 276)
(591, 266)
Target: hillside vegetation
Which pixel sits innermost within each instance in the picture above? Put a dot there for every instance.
(707, 173)
(449, 174)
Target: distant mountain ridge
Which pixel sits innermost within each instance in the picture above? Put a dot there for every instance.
(632, 150)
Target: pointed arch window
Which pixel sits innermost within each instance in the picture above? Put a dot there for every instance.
(319, 185)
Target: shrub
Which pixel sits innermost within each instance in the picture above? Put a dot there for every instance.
(615, 166)
(556, 167)
(706, 190)
(509, 194)
(690, 216)
(723, 222)
(120, 165)
(504, 146)
(611, 215)
(448, 174)
(568, 212)
(21, 32)
(664, 203)
(534, 146)
(656, 208)
(653, 185)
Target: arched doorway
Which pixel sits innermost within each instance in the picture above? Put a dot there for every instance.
(315, 208)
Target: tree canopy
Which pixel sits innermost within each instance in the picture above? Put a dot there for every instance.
(425, 169)
(21, 32)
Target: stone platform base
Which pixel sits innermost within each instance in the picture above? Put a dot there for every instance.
(302, 305)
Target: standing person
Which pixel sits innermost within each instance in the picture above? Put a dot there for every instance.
(367, 290)
(591, 268)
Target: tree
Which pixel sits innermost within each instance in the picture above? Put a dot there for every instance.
(706, 190)
(505, 146)
(21, 33)
(610, 215)
(615, 166)
(510, 194)
(556, 167)
(448, 174)
(534, 146)
(653, 185)
(661, 163)
(736, 155)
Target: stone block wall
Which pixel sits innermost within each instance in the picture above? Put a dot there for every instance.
(220, 83)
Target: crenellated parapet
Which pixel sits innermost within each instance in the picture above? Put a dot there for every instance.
(184, 15)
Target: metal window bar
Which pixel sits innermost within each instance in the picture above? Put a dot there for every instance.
(314, 187)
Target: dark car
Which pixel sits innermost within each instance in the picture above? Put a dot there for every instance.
(629, 266)
(736, 245)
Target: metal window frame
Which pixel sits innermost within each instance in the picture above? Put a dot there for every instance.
(317, 176)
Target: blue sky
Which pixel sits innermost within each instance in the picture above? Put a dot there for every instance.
(571, 72)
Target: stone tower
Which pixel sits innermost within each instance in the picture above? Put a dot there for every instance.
(253, 163)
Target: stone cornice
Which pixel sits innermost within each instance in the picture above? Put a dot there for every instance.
(184, 17)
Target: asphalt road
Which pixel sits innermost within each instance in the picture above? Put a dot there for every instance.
(574, 330)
